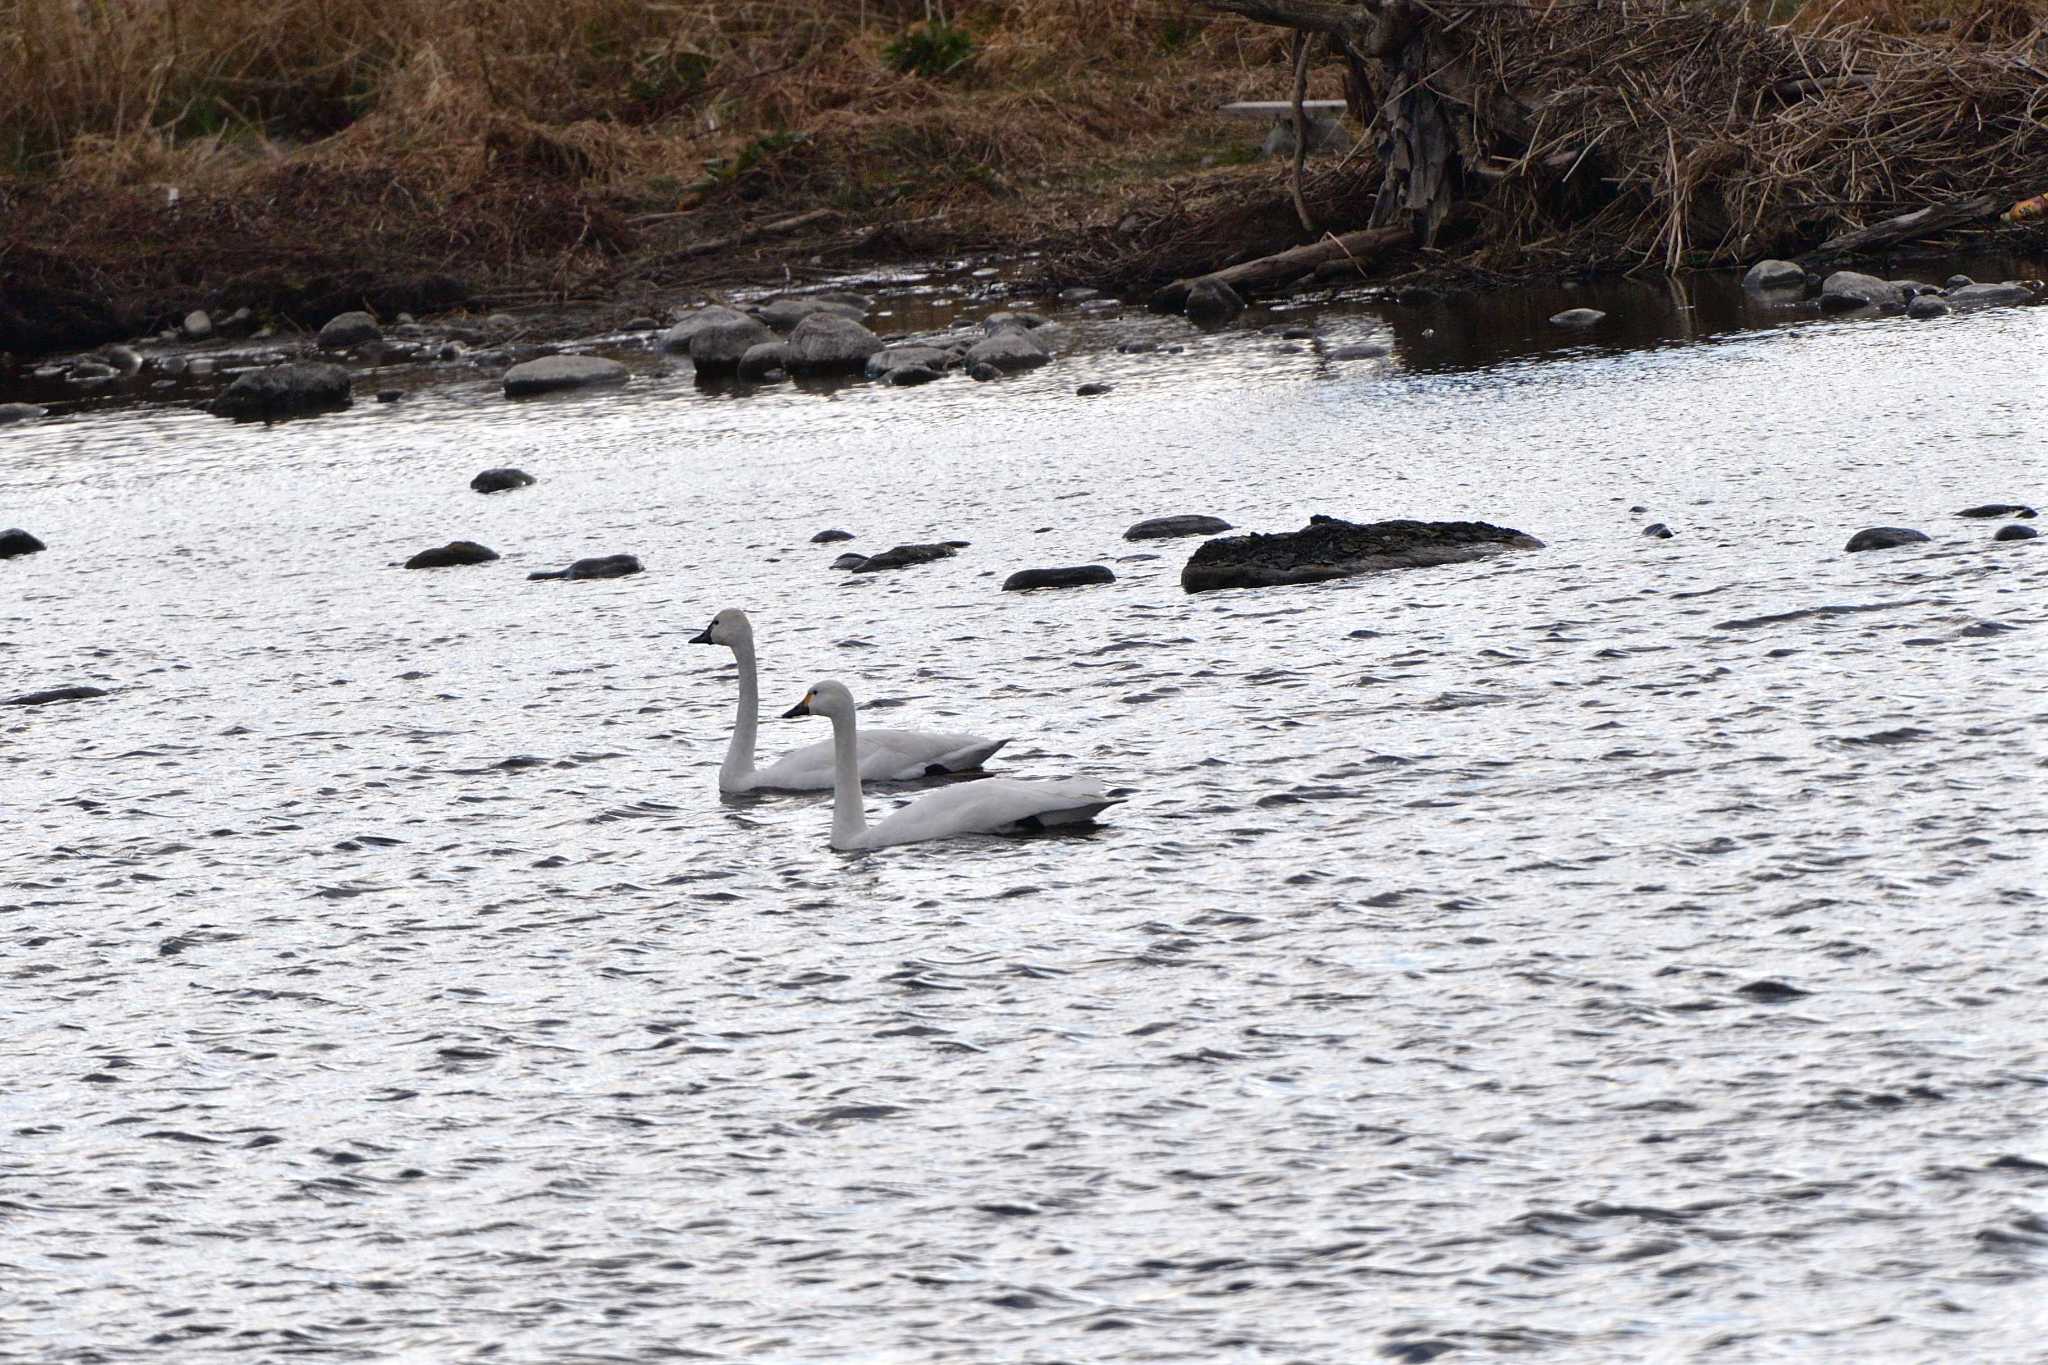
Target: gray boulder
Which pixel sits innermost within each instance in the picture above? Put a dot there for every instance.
(197, 325)
(784, 314)
(1990, 295)
(1846, 290)
(849, 560)
(908, 376)
(1657, 530)
(1166, 528)
(1212, 303)
(828, 343)
(349, 329)
(1957, 282)
(1998, 509)
(553, 373)
(1772, 277)
(1884, 538)
(10, 413)
(1331, 548)
(282, 390)
(454, 554)
(601, 566)
(912, 354)
(902, 556)
(764, 360)
(2015, 532)
(1007, 350)
(718, 346)
(501, 480)
(15, 541)
(1024, 580)
(1577, 317)
(831, 537)
(1928, 306)
(676, 339)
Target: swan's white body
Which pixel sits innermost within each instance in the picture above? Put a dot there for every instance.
(884, 755)
(993, 805)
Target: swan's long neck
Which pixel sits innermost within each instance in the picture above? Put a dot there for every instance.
(849, 820)
(739, 755)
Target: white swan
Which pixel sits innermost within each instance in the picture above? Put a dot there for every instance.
(994, 805)
(885, 755)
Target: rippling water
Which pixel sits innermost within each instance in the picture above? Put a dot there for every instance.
(1617, 952)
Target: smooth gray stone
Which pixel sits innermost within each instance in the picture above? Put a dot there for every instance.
(1577, 317)
(1331, 548)
(452, 555)
(831, 537)
(349, 330)
(1166, 528)
(718, 346)
(1847, 289)
(849, 560)
(2015, 532)
(827, 343)
(785, 313)
(1024, 580)
(1928, 306)
(1212, 302)
(308, 386)
(1006, 350)
(1884, 538)
(908, 376)
(1990, 295)
(898, 357)
(1657, 530)
(197, 325)
(11, 413)
(763, 359)
(553, 373)
(1770, 277)
(677, 338)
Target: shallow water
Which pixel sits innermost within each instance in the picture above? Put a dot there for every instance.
(1602, 953)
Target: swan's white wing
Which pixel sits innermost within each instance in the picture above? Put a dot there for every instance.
(885, 756)
(993, 805)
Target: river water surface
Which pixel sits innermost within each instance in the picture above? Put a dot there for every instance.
(1629, 950)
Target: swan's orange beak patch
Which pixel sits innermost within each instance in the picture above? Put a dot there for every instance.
(802, 708)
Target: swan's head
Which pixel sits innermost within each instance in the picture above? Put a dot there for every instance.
(824, 699)
(729, 628)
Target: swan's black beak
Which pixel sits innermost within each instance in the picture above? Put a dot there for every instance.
(802, 708)
(703, 637)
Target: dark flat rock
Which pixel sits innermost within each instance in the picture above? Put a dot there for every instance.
(600, 566)
(828, 537)
(1080, 576)
(554, 373)
(1998, 509)
(501, 480)
(2016, 532)
(1657, 530)
(15, 541)
(849, 560)
(1165, 528)
(49, 695)
(452, 555)
(1330, 548)
(902, 556)
(282, 390)
(1884, 538)
(1094, 389)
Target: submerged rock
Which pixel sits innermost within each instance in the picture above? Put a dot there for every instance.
(908, 376)
(1330, 548)
(1577, 317)
(312, 386)
(1005, 351)
(2015, 532)
(1884, 538)
(501, 480)
(825, 343)
(718, 346)
(1165, 528)
(829, 537)
(452, 555)
(849, 560)
(1928, 306)
(1990, 295)
(15, 541)
(1212, 302)
(902, 556)
(1094, 390)
(601, 566)
(554, 373)
(49, 695)
(1657, 530)
(349, 330)
(913, 355)
(1080, 576)
(1998, 509)
(10, 413)
(1846, 289)
(1770, 277)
